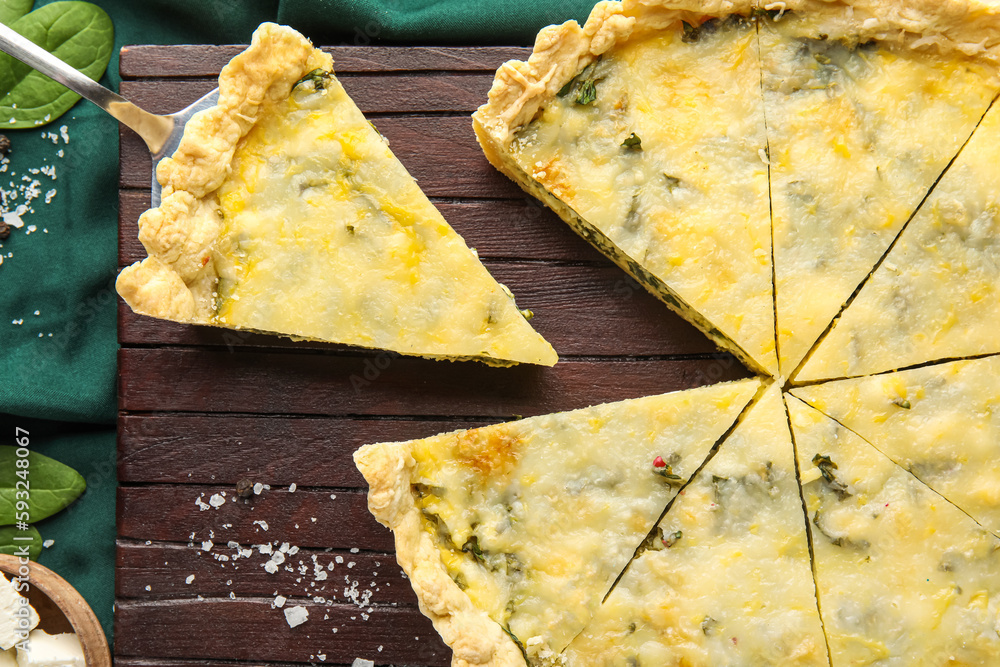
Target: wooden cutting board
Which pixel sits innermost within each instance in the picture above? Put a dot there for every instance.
(202, 409)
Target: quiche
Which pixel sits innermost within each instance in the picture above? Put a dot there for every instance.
(522, 528)
(809, 182)
(938, 422)
(903, 576)
(727, 579)
(284, 211)
(749, 163)
(937, 294)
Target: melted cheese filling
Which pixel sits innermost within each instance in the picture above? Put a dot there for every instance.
(728, 581)
(688, 203)
(535, 519)
(846, 171)
(939, 422)
(325, 236)
(936, 295)
(904, 577)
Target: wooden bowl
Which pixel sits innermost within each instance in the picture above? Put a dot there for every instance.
(61, 609)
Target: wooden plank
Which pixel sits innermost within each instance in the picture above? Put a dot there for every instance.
(121, 661)
(188, 380)
(171, 513)
(180, 571)
(374, 94)
(497, 228)
(275, 450)
(252, 629)
(574, 307)
(199, 60)
(441, 152)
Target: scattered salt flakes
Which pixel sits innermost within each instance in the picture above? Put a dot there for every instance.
(283, 548)
(264, 548)
(351, 564)
(296, 616)
(292, 550)
(31, 228)
(271, 567)
(189, 579)
(313, 519)
(202, 505)
(279, 601)
(329, 565)
(229, 582)
(18, 322)
(48, 543)
(149, 588)
(321, 656)
(257, 488)
(278, 557)
(262, 524)
(333, 496)
(339, 559)
(379, 649)
(232, 544)
(48, 198)
(64, 133)
(355, 550)
(50, 171)
(292, 487)
(217, 500)
(207, 545)
(13, 218)
(61, 153)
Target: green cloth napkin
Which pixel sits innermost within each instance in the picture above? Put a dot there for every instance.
(57, 308)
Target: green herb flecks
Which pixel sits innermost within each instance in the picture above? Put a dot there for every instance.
(582, 87)
(902, 402)
(672, 182)
(587, 93)
(79, 33)
(520, 646)
(839, 540)
(319, 78)
(708, 625)
(672, 539)
(471, 546)
(668, 474)
(633, 141)
(826, 467)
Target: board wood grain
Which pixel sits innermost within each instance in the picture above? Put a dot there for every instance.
(202, 409)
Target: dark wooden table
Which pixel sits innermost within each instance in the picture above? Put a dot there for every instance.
(202, 409)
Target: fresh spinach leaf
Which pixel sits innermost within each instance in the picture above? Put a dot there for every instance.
(79, 33)
(12, 547)
(44, 485)
(12, 10)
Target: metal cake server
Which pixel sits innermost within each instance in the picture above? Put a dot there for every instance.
(162, 134)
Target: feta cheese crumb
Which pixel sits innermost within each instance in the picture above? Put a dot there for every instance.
(296, 616)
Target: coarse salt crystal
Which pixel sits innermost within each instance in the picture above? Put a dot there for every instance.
(189, 579)
(279, 601)
(296, 616)
(207, 545)
(217, 500)
(292, 487)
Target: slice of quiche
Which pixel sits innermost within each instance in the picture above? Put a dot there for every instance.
(644, 130)
(726, 580)
(937, 422)
(521, 528)
(903, 576)
(937, 294)
(284, 211)
(858, 129)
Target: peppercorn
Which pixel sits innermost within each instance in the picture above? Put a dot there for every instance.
(244, 488)
(4, 144)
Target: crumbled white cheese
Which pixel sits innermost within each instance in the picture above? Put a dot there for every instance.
(45, 650)
(17, 617)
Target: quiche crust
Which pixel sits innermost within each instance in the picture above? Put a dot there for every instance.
(969, 27)
(177, 280)
(476, 641)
